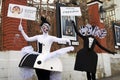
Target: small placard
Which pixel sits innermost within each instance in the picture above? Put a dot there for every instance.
(75, 43)
(70, 11)
(116, 47)
(20, 11)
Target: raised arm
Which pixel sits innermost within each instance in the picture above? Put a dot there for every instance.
(75, 28)
(61, 40)
(103, 48)
(25, 35)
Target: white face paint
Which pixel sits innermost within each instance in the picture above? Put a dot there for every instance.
(83, 31)
(45, 28)
(88, 30)
(103, 33)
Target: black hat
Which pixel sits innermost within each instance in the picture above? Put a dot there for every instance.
(43, 19)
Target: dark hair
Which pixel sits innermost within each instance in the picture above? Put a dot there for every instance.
(43, 19)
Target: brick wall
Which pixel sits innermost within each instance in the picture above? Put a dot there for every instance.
(94, 19)
(10, 28)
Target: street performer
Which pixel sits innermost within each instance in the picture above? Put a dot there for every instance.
(44, 62)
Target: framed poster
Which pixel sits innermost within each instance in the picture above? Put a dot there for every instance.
(116, 28)
(67, 29)
(64, 16)
(67, 15)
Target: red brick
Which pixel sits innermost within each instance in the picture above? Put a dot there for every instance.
(10, 27)
(94, 19)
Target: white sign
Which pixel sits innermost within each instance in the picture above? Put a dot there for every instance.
(20, 11)
(70, 11)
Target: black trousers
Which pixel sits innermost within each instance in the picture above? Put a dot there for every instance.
(91, 76)
(42, 74)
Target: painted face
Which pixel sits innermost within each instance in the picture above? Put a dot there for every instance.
(103, 33)
(90, 29)
(83, 30)
(45, 28)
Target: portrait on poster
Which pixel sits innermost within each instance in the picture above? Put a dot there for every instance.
(67, 16)
(117, 34)
(67, 29)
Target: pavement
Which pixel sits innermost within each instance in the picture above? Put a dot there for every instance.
(114, 77)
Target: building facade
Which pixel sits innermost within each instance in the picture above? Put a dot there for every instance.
(11, 40)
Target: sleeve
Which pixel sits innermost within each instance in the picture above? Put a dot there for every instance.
(61, 40)
(34, 38)
(103, 48)
(75, 28)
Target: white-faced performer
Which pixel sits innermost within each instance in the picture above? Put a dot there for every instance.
(44, 62)
(86, 58)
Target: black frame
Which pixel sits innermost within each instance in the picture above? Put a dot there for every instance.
(61, 24)
(116, 28)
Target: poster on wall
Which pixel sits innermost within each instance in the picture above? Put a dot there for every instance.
(20, 11)
(67, 15)
(117, 34)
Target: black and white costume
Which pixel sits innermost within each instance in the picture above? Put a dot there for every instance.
(86, 58)
(35, 60)
(44, 61)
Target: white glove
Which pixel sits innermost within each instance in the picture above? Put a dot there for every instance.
(69, 42)
(20, 27)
